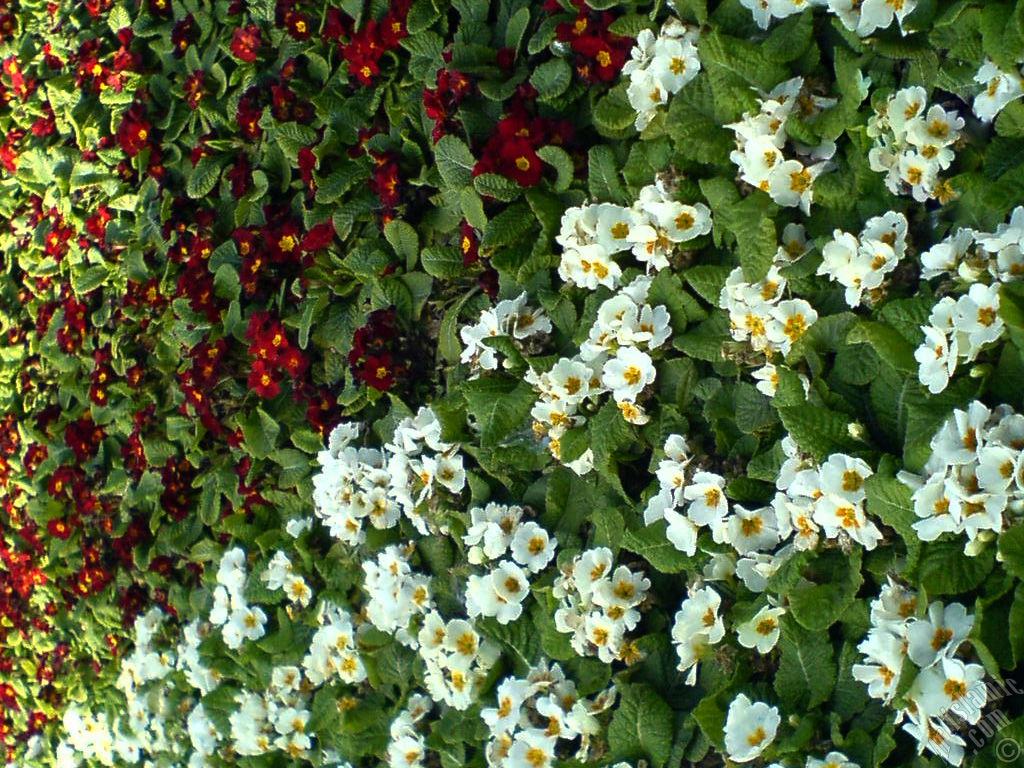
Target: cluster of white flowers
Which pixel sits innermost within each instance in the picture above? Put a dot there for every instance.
(750, 726)
(396, 593)
(697, 627)
(975, 473)
(275, 719)
(495, 531)
(92, 737)
(660, 66)
(592, 234)
(1001, 88)
(831, 760)
(762, 137)
(861, 263)
(357, 484)
(280, 574)
(143, 726)
(969, 255)
(828, 498)
(196, 673)
(613, 358)
(860, 16)
(759, 315)
(407, 746)
(457, 660)
(944, 685)
(535, 712)
(809, 500)
(332, 651)
(240, 621)
(597, 606)
(508, 318)
(957, 329)
(912, 144)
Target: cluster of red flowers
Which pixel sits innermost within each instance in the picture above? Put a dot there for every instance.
(177, 476)
(102, 375)
(277, 251)
(598, 53)
(375, 358)
(83, 437)
(72, 333)
(441, 103)
(385, 181)
(246, 42)
(195, 281)
(272, 356)
(134, 131)
(512, 149)
(367, 46)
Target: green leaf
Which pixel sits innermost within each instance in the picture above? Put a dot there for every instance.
(613, 113)
(568, 501)
(946, 570)
(818, 604)
(807, 670)
(551, 78)
(1011, 550)
(342, 179)
(558, 159)
(757, 249)
(707, 280)
(753, 409)
(604, 176)
(89, 279)
(652, 544)
(499, 406)
(260, 431)
(641, 726)
(442, 261)
(498, 187)
(516, 28)
(509, 226)
(819, 431)
(203, 177)
(404, 240)
(454, 161)
(887, 342)
(890, 501)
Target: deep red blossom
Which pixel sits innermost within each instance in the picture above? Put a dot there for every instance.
(318, 237)
(376, 372)
(468, 244)
(185, 33)
(246, 42)
(263, 380)
(132, 134)
(58, 528)
(298, 26)
(240, 176)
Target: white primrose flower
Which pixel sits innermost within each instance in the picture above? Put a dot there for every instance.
(628, 373)
(696, 628)
(790, 320)
(935, 736)
(532, 547)
(939, 635)
(936, 357)
(749, 728)
(1000, 88)
(762, 630)
(951, 685)
(245, 623)
(831, 760)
